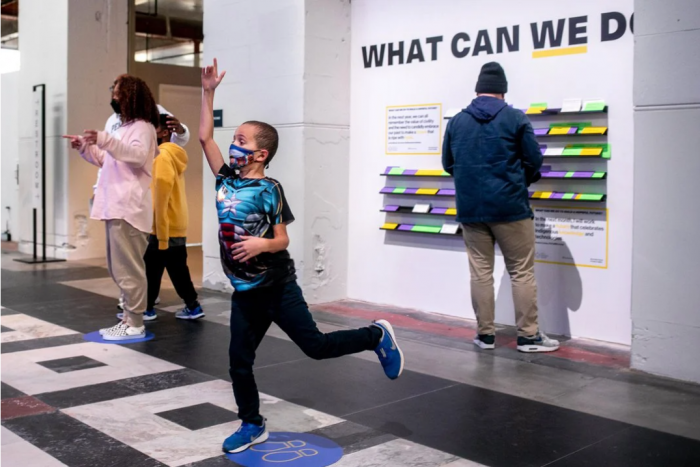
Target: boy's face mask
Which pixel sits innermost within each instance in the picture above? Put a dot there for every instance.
(240, 157)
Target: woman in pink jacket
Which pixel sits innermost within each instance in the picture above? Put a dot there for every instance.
(123, 195)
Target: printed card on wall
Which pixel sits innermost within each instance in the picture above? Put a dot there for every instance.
(573, 237)
(414, 129)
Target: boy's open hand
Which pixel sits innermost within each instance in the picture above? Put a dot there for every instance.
(248, 248)
(211, 77)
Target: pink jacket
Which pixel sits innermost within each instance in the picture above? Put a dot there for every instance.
(124, 188)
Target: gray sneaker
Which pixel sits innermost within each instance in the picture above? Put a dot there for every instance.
(537, 343)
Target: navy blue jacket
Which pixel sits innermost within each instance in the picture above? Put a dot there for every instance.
(491, 151)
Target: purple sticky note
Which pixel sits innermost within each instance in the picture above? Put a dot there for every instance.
(411, 191)
(410, 172)
(438, 211)
(573, 130)
(530, 193)
(391, 208)
(388, 169)
(543, 148)
(545, 168)
(583, 174)
(557, 196)
(446, 192)
(553, 174)
(387, 190)
(406, 227)
(541, 131)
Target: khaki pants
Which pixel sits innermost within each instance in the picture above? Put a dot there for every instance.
(517, 242)
(126, 246)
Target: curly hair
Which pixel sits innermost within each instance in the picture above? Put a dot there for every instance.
(136, 101)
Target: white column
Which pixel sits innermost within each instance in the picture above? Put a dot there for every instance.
(665, 293)
(290, 69)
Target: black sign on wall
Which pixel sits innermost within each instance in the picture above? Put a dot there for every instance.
(218, 118)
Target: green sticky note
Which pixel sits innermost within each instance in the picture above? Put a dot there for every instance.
(598, 175)
(606, 151)
(396, 171)
(539, 104)
(578, 125)
(426, 228)
(446, 174)
(594, 107)
(569, 174)
(398, 191)
(571, 151)
(590, 197)
(568, 196)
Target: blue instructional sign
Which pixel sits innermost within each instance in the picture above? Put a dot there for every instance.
(290, 449)
(96, 337)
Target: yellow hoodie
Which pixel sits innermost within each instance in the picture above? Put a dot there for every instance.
(170, 214)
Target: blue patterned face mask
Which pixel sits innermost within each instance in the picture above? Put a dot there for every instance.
(240, 157)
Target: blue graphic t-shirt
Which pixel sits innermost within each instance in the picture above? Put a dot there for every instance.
(250, 207)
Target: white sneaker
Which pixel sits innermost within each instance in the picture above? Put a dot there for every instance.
(537, 343)
(103, 331)
(124, 332)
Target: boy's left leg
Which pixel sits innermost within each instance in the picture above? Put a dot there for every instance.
(291, 313)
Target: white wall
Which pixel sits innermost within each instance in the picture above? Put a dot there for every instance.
(10, 152)
(665, 295)
(432, 274)
(291, 69)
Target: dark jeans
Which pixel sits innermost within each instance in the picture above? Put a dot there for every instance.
(174, 259)
(253, 311)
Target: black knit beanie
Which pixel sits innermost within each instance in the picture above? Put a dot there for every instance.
(492, 79)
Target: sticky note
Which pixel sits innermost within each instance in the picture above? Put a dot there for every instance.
(606, 151)
(550, 151)
(593, 130)
(541, 131)
(421, 208)
(537, 194)
(406, 227)
(395, 171)
(426, 228)
(569, 174)
(598, 175)
(389, 226)
(559, 130)
(449, 228)
(596, 105)
(571, 105)
(427, 191)
(571, 151)
(391, 208)
(451, 212)
(438, 211)
(398, 191)
(589, 197)
(568, 196)
(430, 173)
(591, 151)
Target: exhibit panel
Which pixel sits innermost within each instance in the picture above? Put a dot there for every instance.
(569, 70)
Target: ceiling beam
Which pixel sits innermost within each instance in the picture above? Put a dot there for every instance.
(179, 28)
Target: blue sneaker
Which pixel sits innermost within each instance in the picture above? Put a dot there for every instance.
(186, 313)
(388, 351)
(246, 436)
(149, 315)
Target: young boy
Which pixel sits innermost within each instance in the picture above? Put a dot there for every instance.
(167, 244)
(253, 217)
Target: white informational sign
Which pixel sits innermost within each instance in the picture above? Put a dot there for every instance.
(422, 208)
(36, 159)
(414, 129)
(573, 237)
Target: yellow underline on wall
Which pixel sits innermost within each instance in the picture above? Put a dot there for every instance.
(557, 52)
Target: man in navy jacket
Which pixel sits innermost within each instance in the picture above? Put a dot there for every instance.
(491, 151)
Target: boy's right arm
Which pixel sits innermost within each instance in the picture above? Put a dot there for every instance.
(210, 80)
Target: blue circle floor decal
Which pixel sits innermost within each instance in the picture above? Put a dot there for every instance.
(292, 449)
(96, 337)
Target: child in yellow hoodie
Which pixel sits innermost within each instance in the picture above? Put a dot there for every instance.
(166, 245)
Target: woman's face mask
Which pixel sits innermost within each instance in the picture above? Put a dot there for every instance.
(115, 106)
(240, 157)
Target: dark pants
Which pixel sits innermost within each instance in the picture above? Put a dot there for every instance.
(253, 311)
(174, 259)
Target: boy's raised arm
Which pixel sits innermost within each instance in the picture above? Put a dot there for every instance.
(210, 80)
